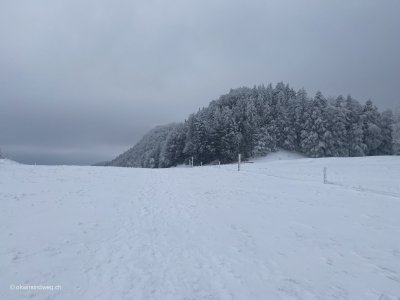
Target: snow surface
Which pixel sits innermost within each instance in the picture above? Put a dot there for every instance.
(271, 231)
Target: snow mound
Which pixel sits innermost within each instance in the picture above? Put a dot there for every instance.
(5, 161)
(279, 155)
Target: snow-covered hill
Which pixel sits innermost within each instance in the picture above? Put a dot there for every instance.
(5, 161)
(271, 231)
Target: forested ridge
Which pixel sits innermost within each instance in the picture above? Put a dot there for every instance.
(259, 120)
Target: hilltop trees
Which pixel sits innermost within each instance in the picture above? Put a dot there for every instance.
(256, 121)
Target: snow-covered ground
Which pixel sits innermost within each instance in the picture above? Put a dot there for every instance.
(271, 231)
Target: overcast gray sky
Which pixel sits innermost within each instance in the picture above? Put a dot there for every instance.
(82, 81)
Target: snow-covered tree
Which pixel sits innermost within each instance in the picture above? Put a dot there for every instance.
(354, 128)
(338, 127)
(386, 128)
(315, 133)
(265, 143)
(171, 153)
(300, 108)
(371, 130)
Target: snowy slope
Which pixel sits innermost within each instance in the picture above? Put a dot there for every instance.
(271, 231)
(5, 161)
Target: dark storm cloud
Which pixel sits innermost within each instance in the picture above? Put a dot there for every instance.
(80, 81)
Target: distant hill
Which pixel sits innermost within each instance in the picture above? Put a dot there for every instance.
(101, 164)
(257, 121)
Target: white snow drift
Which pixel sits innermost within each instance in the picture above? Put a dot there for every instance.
(271, 231)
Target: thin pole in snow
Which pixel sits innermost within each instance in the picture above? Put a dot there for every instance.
(325, 175)
(219, 164)
(239, 161)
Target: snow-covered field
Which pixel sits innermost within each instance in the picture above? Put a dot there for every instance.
(271, 231)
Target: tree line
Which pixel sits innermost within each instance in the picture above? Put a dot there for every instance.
(259, 120)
